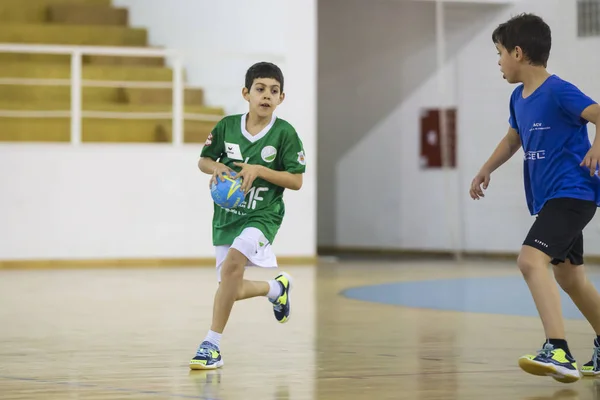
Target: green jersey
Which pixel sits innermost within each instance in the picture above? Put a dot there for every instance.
(277, 147)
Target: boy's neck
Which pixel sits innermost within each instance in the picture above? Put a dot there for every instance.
(533, 78)
(256, 123)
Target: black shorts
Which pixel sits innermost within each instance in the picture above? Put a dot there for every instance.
(558, 229)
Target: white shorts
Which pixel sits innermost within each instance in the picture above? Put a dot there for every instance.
(254, 245)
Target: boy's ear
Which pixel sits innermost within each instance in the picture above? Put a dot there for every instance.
(518, 53)
(245, 93)
(281, 97)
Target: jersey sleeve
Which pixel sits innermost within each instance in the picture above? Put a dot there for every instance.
(214, 146)
(512, 119)
(572, 101)
(293, 154)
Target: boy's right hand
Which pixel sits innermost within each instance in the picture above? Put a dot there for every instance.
(482, 178)
(220, 170)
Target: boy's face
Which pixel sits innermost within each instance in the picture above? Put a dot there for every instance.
(264, 96)
(509, 63)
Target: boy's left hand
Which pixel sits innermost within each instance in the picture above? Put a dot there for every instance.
(592, 160)
(248, 174)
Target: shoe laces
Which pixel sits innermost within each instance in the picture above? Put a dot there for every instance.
(596, 357)
(546, 351)
(277, 306)
(205, 347)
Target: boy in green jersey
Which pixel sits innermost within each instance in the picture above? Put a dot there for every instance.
(267, 154)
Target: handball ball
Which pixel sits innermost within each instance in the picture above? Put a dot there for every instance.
(227, 194)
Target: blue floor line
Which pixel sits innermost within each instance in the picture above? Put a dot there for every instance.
(489, 295)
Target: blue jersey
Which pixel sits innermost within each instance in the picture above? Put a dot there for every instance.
(555, 141)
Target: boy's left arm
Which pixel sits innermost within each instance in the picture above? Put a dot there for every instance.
(284, 179)
(592, 158)
(292, 161)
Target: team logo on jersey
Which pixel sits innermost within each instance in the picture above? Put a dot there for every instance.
(208, 140)
(301, 158)
(268, 153)
(233, 151)
(534, 155)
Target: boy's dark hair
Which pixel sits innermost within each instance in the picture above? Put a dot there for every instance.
(263, 70)
(530, 33)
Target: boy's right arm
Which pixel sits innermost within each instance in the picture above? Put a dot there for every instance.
(207, 165)
(507, 147)
(212, 151)
(214, 168)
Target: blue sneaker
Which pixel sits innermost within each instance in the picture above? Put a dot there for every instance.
(551, 362)
(592, 368)
(281, 305)
(208, 356)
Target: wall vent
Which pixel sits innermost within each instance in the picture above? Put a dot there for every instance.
(588, 18)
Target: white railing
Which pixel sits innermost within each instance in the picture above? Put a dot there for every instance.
(76, 82)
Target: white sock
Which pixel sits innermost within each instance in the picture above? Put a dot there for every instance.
(274, 289)
(213, 337)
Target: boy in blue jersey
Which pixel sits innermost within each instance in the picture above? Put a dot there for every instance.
(548, 118)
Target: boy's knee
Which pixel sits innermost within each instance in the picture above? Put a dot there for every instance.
(530, 260)
(526, 265)
(232, 270)
(233, 266)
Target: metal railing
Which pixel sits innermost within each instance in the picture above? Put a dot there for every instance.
(76, 83)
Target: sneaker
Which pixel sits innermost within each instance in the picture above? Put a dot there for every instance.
(208, 356)
(592, 368)
(551, 362)
(281, 305)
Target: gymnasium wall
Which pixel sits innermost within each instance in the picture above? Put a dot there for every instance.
(151, 201)
(372, 89)
(220, 39)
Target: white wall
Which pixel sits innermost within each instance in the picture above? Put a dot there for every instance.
(119, 201)
(136, 201)
(376, 72)
(221, 39)
(470, 1)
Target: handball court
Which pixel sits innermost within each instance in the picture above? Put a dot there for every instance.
(359, 330)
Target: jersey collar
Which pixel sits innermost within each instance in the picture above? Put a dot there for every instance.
(260, 134)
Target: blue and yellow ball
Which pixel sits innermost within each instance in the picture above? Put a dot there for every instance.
(227, 194)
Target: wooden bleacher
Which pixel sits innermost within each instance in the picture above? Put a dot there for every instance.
(86, 22)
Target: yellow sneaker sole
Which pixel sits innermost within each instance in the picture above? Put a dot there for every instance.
(198, 366)
(540, 369)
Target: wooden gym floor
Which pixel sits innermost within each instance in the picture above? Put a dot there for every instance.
(129, 333)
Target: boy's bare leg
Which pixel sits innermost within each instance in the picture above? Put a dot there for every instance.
(555, 358)
(232, 278)
(573, 281)
(534, 266)
(231, 289)
(208, 355)
(247, 290)
(252, 289)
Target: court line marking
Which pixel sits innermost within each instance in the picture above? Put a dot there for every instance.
(107, 388)
(417, 374)
(344, 293)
